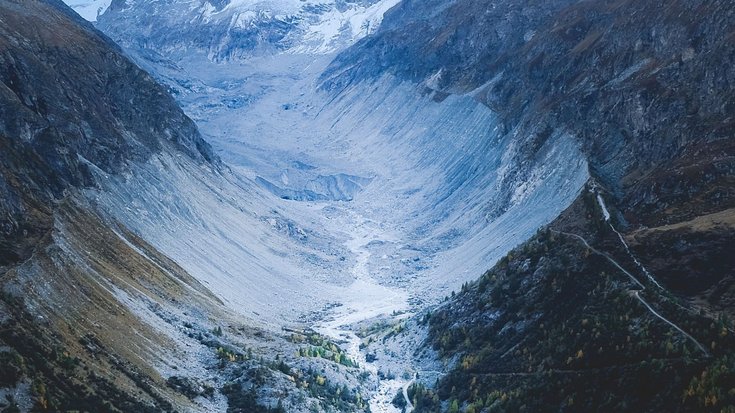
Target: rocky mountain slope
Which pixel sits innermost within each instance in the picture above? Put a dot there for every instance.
(93, 315)
(643, 95)
(73, 105)
(645, 89)
(384, 197)
(571, 322)
(413, 167)
(63, 115)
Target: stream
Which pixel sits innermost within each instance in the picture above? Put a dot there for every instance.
(365, 299)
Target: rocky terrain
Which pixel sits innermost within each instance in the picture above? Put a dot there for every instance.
(72, 104)
(92, 316)
(324, 253)
(647, 97)
(569, 313)
(645, 89)
(63, 114)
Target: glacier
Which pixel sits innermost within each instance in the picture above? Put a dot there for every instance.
(89, 9)
(419, 195)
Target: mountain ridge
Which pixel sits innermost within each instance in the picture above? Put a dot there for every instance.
(236, 30)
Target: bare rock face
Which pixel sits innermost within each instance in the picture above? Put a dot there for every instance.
(645, 87)
(74, 282)
(70, 101)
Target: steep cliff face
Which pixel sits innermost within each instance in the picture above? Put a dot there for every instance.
(645, 88)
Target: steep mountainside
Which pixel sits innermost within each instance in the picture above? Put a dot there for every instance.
(72, 103)
(372, 186)
(138, 272)
(647, 96)
(392, 195)
(434, 189)
(571, 322)
(645, 88)
(93, 317)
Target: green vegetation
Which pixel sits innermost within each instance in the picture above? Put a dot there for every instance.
(59, 380)
(339, 398)
(331, 397)
(395, 330)
(555, 327)
(399, 401)
(373, 329)
(255, 375)
(245, 401)
(320, 346)
(225, 353)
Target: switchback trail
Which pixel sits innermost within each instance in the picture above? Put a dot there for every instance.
(636, 293)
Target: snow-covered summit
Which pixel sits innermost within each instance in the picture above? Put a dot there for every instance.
(89, 9)
(230, 30)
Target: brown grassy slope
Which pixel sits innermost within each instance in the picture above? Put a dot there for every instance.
(98, 295)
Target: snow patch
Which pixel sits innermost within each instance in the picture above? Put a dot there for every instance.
(89, 9)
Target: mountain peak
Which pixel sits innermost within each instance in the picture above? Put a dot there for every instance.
(89, 9)
(227, 30)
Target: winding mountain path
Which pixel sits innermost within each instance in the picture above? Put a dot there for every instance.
(634, 293)
(607, 256)
(637, 295)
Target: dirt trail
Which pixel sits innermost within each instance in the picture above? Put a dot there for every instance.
(634, 293)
